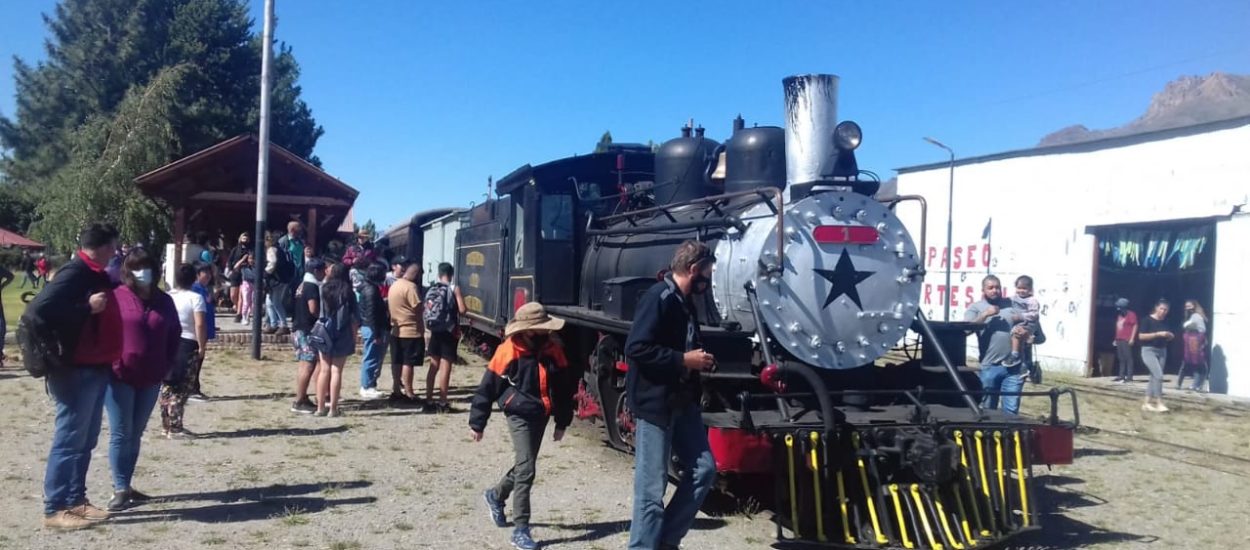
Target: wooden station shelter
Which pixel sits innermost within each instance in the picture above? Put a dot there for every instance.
(214, 191)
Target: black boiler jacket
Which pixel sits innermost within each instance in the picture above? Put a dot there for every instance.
(665, 327)
(373, 311)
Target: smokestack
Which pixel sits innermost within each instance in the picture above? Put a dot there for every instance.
(811, 115)
(739, 123)
(685, 131)
(698, 132)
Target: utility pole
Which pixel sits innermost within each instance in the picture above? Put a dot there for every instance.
(950, 217)
(262, 174)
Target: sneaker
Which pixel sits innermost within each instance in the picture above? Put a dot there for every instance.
(89, 512)
(397, 396)
(321, 412)
(1161, 408)
(238, 318)
(1012, 360)
(66, 521)
(198, 397)
(269, 330)
(667, 546)
(282, 332)
(429, 408)
(371, 393)
(521, 539)
(335, 412)
(303, 407)
(495, 506)
(444, 408)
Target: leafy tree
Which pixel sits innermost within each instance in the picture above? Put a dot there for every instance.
(187, 69)
(368, 227)
(605, 142)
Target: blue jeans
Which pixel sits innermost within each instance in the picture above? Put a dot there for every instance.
(79, 396)
(686, 437)
(1004, 379)
(129, 408)
(371, 361)
(274, 313)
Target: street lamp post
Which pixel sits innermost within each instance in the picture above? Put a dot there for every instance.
(950, 216)
(262, 171)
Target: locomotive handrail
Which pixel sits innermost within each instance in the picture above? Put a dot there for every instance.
(916, 394)
(924, 217)
(766, 193)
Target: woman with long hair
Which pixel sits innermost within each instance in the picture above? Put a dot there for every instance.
(1195, 339)
(1155, 336)
(150, 333)
(334, 337)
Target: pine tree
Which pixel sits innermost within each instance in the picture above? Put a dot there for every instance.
(103, 54)
(605, 143)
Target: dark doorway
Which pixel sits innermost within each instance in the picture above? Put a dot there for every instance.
(1144, 262)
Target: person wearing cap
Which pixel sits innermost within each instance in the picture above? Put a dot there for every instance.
(531, 380)
(1125, 337)
(665, 355)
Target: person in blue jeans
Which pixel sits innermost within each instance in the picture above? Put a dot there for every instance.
(997, 317)
(375, 325)
(150, 338)
(665, 355)
(76, 307)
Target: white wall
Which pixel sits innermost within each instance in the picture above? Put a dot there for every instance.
(1230, 313)
(1041, 206)
(439, 244)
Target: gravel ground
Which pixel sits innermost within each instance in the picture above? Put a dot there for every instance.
(261, 477)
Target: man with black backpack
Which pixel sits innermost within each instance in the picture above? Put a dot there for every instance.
(443, 307)
(71, 333)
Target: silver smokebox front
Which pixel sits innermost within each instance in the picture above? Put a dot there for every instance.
(811, 116)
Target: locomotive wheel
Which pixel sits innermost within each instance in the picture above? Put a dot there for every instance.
(617, 417)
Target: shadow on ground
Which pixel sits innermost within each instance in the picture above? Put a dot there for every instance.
(604, 529)
(269, 432)
(246, 504)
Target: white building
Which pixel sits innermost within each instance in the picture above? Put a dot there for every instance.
(1087, 222)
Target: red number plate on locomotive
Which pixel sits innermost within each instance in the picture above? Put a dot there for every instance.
(845, 234)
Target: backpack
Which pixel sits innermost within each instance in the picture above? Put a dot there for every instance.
(440, 313)
(41, 349)
(284, 267)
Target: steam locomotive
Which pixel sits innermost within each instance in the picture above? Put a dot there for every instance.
(816, 281)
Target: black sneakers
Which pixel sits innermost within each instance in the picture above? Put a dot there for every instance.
(304, 406)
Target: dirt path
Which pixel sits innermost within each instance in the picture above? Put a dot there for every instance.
(261, 477)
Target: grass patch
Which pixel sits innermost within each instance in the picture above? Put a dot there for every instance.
(345, 545)
(294, 516)
(332, 489)
(213, 540)
(404, 526)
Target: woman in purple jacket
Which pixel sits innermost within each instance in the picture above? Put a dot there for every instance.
(150, 333)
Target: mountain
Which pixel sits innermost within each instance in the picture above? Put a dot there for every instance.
(1183, 102)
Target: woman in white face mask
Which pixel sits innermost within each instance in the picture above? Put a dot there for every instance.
(150, 335)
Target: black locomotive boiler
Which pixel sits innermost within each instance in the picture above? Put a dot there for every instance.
(816, 281)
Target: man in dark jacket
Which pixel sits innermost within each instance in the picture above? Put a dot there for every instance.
(530, 378)
(665, 356)
(375, 324)
(75, 307)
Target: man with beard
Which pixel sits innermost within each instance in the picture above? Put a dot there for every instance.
(665, 356)
(997, 317)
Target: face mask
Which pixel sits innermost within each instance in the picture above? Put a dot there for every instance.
(143, 277)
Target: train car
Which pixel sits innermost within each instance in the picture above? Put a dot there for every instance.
(439, 235)
(407, 239)
(816, 281)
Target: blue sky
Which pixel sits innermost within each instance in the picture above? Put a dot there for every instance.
(421, 101)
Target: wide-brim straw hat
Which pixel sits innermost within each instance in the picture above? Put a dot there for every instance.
(532, 316)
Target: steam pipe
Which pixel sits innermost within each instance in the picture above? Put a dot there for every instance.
(764, 192)
(924, 217)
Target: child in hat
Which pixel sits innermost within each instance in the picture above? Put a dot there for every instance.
(530, 379)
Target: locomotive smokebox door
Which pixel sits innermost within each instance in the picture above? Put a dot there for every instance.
(620, 295)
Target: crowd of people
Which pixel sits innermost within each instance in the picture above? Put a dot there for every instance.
(132, 346)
